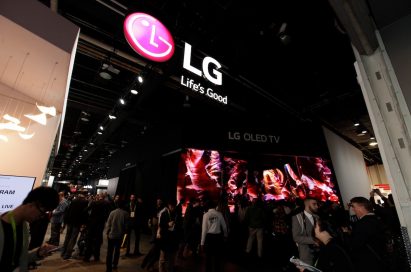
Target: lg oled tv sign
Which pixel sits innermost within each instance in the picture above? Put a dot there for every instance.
(152, 40)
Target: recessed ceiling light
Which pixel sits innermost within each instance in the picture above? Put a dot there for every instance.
(101, 128)
(99, 132)
(112, 117)
(122, 102)
(134, 91)
(91, 143)
(84, 119)
(373, 143)
(140, 79)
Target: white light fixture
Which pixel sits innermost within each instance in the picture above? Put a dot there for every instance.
(112, 117)
(91, 143)
(39, 118)
(11, 119)
(4, 138)
(47, 110)
(101, 128)
(140, 79)
(134, 91)
(122, 102)
(99, 132)
(12, 126)
(105, 75)
(373, 143)
(356, 124)
(26, 136)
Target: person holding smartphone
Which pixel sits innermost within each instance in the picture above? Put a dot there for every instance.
(14, 229)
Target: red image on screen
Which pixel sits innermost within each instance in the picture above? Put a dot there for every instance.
(209, 174)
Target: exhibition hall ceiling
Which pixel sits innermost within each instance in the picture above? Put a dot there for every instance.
(280, 60)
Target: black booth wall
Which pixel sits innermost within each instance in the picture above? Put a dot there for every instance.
(149, 167)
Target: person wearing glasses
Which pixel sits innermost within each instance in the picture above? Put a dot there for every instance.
(14, 230)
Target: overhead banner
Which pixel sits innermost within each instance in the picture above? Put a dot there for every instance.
(13, 190)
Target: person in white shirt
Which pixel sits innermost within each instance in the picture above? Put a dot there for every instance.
(213, 233)
(302, 227)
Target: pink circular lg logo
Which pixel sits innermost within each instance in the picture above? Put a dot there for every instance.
(148, 37)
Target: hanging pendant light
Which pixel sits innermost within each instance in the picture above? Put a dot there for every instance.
(12, 126)
(26, 136)
(47, 110)
(11, 119)
(4, 138)
(39, 118)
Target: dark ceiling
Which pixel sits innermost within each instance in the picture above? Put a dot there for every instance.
(286, 55)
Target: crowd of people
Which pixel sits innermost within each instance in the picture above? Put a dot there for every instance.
(320, 234)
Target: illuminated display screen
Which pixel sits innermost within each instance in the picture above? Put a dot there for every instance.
(209, 174)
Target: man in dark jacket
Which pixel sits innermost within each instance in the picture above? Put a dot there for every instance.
(74, 217)
(98, 212)
(367, 242)
(135, 223)
(168, 240)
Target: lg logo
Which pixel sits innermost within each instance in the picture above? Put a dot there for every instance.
(215, 77)
(148, 37)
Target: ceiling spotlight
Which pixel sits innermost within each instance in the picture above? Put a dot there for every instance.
(134, 92)
(356, 124)
(99, 132)
(373, 143)
(361, 132)
(101, 128)
(187, 102)
(122, 102)
(112, 117)
(105, 75)
(140, 79)
(84, 119)
(91, 143)
(85, 150)
(282, 34)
